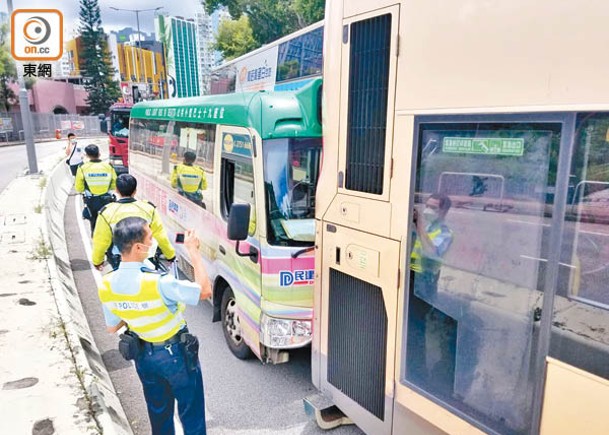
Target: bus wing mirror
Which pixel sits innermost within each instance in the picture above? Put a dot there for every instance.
(238, 221)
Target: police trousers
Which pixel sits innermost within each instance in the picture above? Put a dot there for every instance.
(95, 204)
(165, 377)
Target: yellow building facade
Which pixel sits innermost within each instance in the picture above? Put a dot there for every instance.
(74, 49)
(141, 66)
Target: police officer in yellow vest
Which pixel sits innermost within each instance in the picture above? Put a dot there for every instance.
(95, 179)
(431, 335)
(151, 305)
(189, 179)
(126, 206)
(432, 238)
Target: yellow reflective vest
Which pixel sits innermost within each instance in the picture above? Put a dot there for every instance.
(95, 176)
(418, 261)
(114, 212)
(144, 312)
(189, 178)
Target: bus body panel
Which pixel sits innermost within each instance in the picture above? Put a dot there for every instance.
(563, 414)
(526, 299)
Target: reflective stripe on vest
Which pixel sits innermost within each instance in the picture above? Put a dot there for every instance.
(416, 256)
(98, 177)
(145, 312)
(189, 178)
(115, 212)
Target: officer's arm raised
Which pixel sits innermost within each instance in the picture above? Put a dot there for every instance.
(191, 243)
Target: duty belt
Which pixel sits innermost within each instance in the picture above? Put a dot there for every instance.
(172, 340)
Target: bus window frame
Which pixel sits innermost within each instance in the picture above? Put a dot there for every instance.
(559, 209)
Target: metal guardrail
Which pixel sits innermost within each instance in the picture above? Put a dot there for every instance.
(45, 124)
(576, 195)
(498, 198)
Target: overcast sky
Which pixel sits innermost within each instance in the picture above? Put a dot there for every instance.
(112, 20)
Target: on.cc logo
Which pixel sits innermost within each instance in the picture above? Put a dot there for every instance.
(36, 30)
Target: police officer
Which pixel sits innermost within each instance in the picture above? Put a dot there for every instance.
(432, 332)
(151, 305)
(95, 179)
(189, 179)
(127, 205)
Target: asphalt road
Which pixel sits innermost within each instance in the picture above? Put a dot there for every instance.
(13, 159)
(242, 397)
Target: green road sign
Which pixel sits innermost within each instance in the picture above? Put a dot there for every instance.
(479, 145)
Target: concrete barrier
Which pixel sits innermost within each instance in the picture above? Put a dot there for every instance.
(103, 400)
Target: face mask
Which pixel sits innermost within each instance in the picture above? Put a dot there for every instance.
(430, 215)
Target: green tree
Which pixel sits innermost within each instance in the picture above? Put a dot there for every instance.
(97, 65)
(272, 19)
(8, 71)
(309, 11)
(235, 38)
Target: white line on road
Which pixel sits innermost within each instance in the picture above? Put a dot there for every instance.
(594, 233)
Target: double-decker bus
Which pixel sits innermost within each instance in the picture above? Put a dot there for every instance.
(118, 133)
(285, 64)
(258, 150)
(462, 231)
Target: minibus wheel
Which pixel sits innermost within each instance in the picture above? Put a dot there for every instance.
(232, 327)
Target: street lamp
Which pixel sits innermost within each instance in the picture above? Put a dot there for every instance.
(139, 35)
(26, 117)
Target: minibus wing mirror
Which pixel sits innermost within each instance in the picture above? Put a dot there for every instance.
(238, 227)
(238, 221)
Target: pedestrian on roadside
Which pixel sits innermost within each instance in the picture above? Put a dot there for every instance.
(95, 179)
(74, 154)
(150, 304)
(111, 214)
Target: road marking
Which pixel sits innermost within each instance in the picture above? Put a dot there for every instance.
(545, 260)
(594, 233)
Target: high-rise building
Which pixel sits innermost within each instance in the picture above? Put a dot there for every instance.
(113, 48)
(204, 54)
(207, 31)
(179, 37)
(217, 17)
(61, 67)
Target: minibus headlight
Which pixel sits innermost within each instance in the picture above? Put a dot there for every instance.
(284, 333)
(278, 327)
(301, 328)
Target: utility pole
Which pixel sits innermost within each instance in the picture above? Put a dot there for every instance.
(139, 37)
(26, 117)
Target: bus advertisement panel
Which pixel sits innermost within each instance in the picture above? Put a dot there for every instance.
(259, 149)
(286, 64)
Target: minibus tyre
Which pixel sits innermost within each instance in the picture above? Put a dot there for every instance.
(235, 343)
